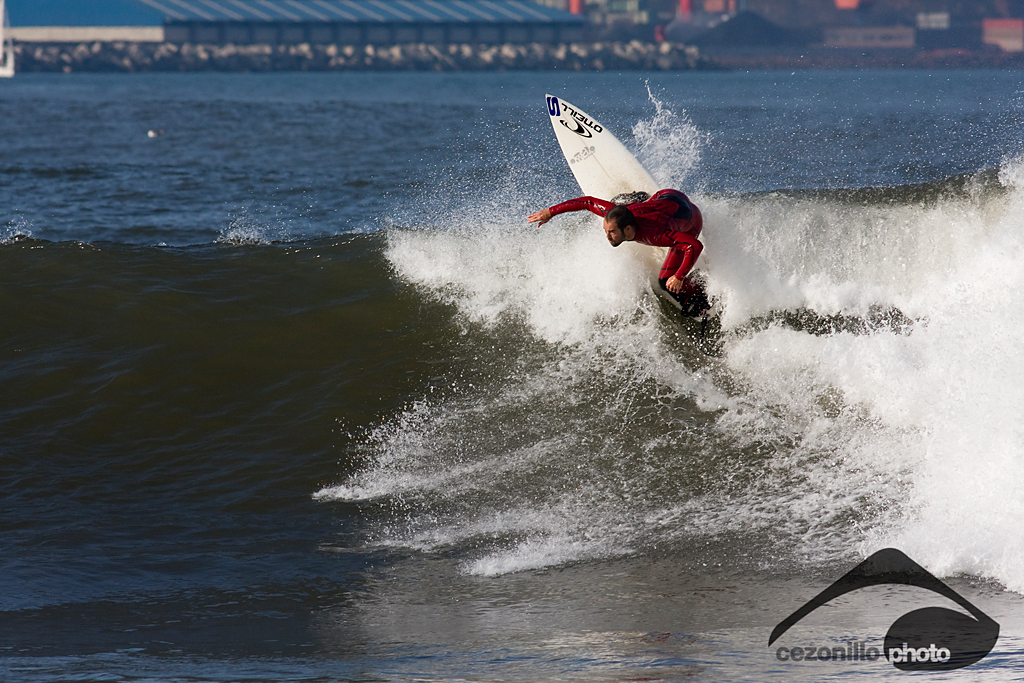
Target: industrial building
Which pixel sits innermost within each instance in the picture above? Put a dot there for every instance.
(837, 24)
(343, 22)
(373, 22)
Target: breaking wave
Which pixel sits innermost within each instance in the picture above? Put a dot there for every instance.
(861, 388)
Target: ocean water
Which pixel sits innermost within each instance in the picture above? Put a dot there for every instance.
(291, 391)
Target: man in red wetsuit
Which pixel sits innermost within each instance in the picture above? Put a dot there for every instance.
(668, 219)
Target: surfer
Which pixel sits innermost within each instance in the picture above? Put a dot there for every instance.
(667, 219)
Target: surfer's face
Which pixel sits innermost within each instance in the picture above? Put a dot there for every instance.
(617, 235)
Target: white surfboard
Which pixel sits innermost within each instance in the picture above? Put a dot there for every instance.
(601, 164)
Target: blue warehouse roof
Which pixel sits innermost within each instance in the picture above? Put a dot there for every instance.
(155, 12)
(82, 13)
(385, 11)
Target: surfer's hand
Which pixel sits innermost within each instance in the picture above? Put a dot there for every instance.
(540, 218)
(674, 285)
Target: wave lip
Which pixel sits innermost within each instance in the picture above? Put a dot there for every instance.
(15, 231)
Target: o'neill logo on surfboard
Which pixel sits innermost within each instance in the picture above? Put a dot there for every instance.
(580, 122)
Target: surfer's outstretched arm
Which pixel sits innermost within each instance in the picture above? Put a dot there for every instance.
(592, 204)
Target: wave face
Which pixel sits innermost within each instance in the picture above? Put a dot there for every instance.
(862, 390)
(266, 373)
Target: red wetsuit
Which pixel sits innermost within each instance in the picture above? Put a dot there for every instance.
(668, 219)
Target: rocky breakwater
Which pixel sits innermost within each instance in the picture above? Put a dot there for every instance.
(129, 57)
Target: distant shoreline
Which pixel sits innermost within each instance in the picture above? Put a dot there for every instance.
(143, 56)
(826, 59)
(128, 57)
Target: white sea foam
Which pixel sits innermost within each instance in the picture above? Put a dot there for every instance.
(968, 394)
(669, 145)
(249, 226)
(945, 402)
(828, 444)
(15, 230)
(561, 279)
